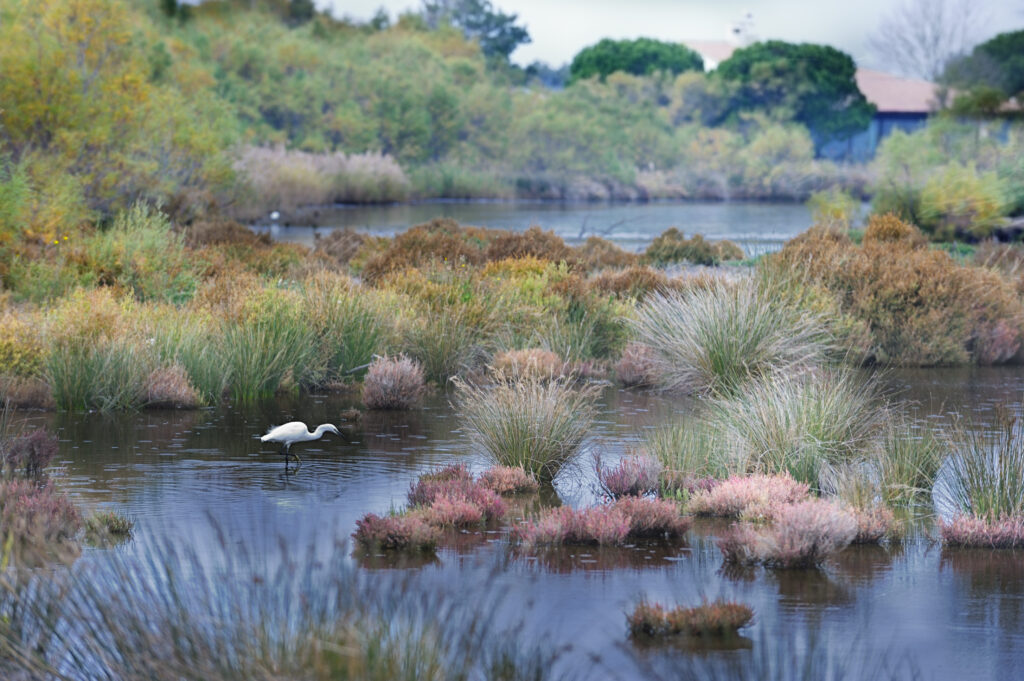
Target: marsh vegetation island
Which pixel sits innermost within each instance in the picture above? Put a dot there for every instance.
(687, 358)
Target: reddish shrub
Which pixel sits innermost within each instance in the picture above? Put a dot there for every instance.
(28, 455)
(426, 493)
(506, 480)
(531, 363)
(636, 282)
(453, 512)
(170, 387)
(803, 534)
(634, 476)
(341, 244)
(652, 517)
(564, 525)
(874, 524)
(533, 242)
(396, 532)
(440, 240)
(37, 518)
(965, 530)
(395, 383)
(597, 253)
(720, 618)
(636, 366)
(751, 496)
(677, 483)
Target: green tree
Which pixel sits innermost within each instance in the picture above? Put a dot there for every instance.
(810, 84)
(640, 57)
(495, 31)
(996, 63)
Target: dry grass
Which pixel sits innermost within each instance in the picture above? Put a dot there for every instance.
(636, 367)
(393, 383)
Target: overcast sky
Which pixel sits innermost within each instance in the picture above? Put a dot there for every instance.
(561, 28)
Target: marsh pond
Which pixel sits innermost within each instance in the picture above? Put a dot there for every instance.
(200, 483)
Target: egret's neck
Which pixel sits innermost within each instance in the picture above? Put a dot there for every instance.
(320, 430)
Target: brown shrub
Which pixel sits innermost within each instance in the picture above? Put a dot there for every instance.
(672, 246)
(32, 393)
(635, 282)
(395, 383)
(922, 308)
(340, 244)
(1007, 259)
(535, 242)
(221, 231)
(636, 366)
(169, 387)
(440, 240)
(889, 229)
(597, 253)
(533, 363)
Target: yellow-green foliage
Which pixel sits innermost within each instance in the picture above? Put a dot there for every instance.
(921, 307)
(21, 348)
(960, 201)
(83, 103)
(833, 207)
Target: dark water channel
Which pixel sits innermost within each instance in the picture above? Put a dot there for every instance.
(201, 478)
(758, 227)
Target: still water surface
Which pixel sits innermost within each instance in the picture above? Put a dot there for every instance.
(757, 226)
(956, 615)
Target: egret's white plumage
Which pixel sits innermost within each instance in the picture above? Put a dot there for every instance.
(296, 431)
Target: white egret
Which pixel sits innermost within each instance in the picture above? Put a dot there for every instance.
(296, 431)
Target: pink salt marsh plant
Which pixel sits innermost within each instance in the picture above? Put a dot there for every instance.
(393, 383)
(750, 497)
(971, 531)
(718, 618)
(450, 485)
(801, 535)
(652, 517)
(508, 480)
(634, 476)
(602, 525)
(874, 523)
(396, 532)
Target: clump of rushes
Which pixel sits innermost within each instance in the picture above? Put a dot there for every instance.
(965, 530)
(715, 338)
(692, 449)
(348, 323)
(505, 480)
(802, 535)
(749, 497)
(719, 618)
(908, 463)
(536, 425)
(396, 532)
(986, 469)
(635, 475)
(108, 525)
(803, 425)
(393, 383)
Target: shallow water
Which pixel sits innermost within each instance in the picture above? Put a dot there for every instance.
(202, 478)
(757, 226)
